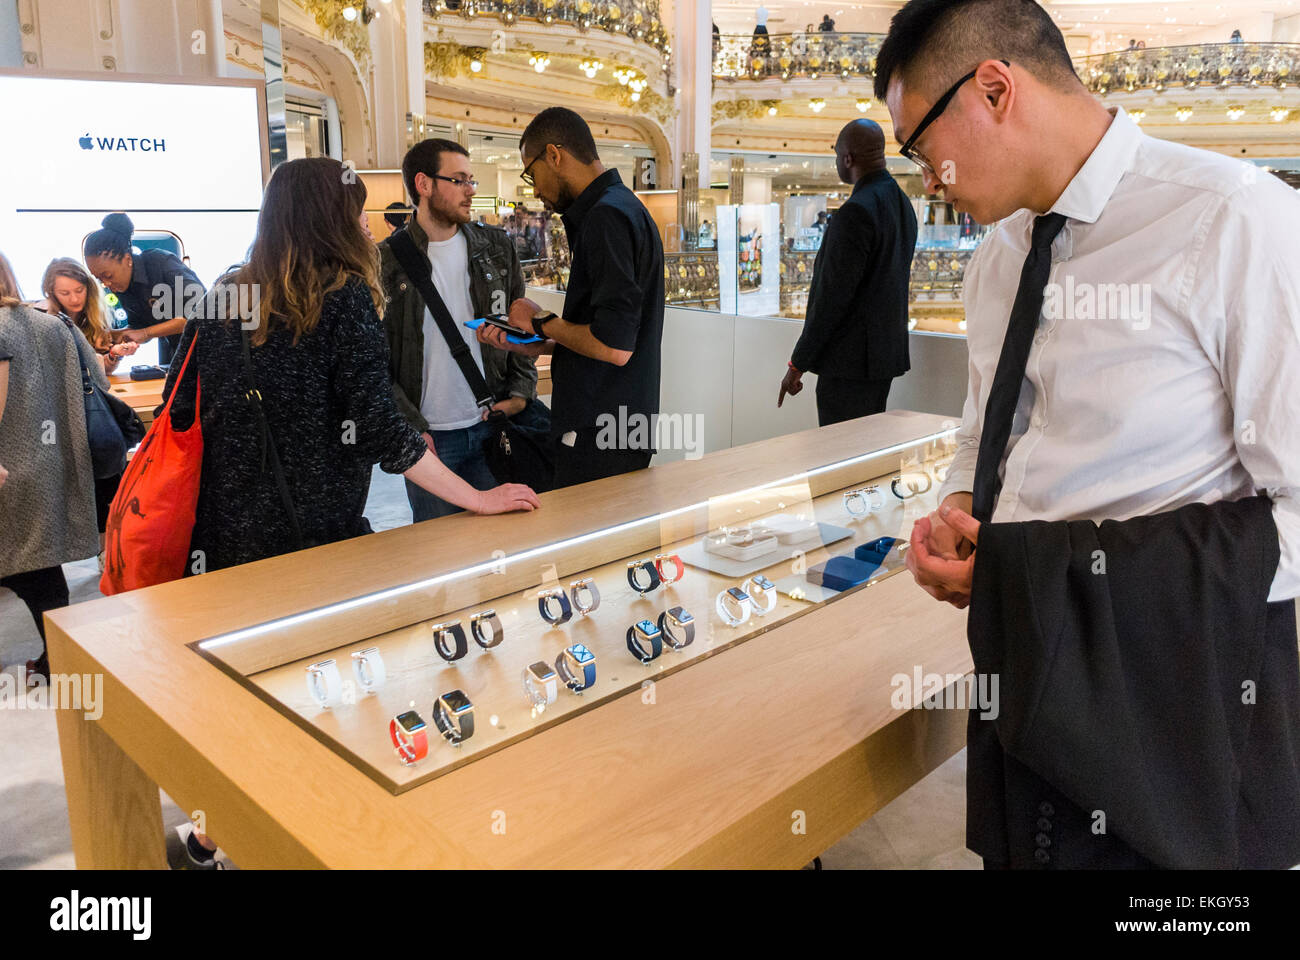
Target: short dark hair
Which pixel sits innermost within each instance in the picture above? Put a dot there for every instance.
(563, 127)
(426, 158)
(398, 218)
(933, 42)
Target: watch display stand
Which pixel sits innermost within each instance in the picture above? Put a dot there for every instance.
(576, 647)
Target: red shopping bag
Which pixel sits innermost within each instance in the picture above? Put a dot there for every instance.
(147, 537)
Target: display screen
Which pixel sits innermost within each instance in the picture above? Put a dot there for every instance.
(581, 653)
(456, 701)
(410, 721)
(738, 594)
(647, 627)
(541, 670)
(681, 616)
(141, 147)
(763, 582)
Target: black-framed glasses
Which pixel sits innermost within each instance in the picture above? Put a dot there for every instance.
(458, 182)
(526, 176)
(939, 107)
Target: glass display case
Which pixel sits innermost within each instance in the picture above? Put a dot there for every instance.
(518, 642)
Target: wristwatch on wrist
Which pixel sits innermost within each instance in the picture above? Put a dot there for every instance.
(762, 594)
(733, 599)
(368, 668)
(494, 634)
(324, 683)
(539, 683)
(584, 595)
(410, 736)
(453, 630)
(644, 640)
(549, 613)
(576, 666)
(454, 716)
(539, 322)
(678, 627)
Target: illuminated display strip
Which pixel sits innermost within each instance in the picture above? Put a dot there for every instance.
(344, 605)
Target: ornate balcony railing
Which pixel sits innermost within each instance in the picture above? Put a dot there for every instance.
(1205, 65)
(794, 55)
(638, 19)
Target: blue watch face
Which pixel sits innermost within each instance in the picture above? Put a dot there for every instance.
(647, 627)
(410, 722)
(581, 653)
(763, 582)
(737, 593)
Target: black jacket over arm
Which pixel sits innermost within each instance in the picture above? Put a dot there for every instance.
(1142, 674)
(856, 325)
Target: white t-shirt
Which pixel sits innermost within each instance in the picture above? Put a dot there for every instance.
(447, 402)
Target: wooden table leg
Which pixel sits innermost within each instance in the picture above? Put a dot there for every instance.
(113, 806)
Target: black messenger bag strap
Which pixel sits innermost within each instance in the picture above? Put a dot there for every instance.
(254, 397)
(418, 272)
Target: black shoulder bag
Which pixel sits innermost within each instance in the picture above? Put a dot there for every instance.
(512, 455)
(254, 398)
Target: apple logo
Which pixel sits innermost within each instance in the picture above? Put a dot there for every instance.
(86, 142)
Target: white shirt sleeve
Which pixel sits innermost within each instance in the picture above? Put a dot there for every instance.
(1245, 296)
(961, 472)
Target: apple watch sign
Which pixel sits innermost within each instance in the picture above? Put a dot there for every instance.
(123, 144)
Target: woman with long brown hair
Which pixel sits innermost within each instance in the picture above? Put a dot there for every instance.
(72, 293)
(310, 298)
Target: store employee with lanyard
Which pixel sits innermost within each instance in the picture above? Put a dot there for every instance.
(145, 284)
(605, 369)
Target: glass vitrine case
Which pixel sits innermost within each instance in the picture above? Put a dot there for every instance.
(515, 643)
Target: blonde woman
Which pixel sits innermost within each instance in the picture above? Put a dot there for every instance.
(72, 293)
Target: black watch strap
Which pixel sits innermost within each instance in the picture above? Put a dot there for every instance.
(539, 322)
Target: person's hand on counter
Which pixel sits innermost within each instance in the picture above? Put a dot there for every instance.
(942, 554)
(510, 406)
(507, 498)
(791, 383)
(124, 349)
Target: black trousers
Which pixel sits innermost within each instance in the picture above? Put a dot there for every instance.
(585, 461)
(41, 590)
(840, 399)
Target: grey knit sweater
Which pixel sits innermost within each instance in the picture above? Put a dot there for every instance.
(47, 506)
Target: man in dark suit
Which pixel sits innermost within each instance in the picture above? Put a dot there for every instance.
(855, 334)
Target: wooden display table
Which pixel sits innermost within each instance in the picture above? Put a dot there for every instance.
(142, 396)
(763, 754)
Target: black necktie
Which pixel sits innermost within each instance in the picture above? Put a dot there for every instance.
(1005, 392)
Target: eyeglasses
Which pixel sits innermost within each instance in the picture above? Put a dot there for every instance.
(939, 107)
(527, 177)
(457, 181)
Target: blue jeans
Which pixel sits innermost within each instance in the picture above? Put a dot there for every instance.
(461, 452)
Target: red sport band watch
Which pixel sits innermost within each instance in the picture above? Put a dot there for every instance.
(410, 737)
(679, 568)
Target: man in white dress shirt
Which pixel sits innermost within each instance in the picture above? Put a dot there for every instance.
(1165, 366)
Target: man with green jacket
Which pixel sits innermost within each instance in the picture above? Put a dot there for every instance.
(476, 272)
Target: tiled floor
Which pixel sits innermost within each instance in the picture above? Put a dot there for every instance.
(923, 828)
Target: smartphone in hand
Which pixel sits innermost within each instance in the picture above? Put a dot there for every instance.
(513, 334)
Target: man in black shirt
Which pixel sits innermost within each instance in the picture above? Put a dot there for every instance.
(855, 334)
(605, 366)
